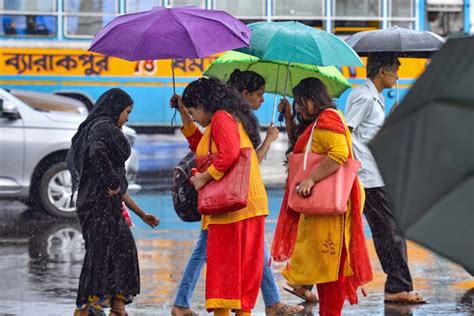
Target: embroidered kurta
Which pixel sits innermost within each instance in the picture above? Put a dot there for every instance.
(314, 244)
(319, 240)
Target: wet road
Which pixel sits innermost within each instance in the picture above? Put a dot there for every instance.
(40, 262)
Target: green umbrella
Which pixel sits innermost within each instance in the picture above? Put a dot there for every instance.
(275, 73)
(278, 75)
(298, 43)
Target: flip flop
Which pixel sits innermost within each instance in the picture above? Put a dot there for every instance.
(286, 310)
(404, 298)
(292, 291)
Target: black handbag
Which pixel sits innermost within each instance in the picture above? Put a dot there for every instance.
(185, 196)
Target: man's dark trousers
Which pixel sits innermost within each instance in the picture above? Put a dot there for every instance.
(390, 246)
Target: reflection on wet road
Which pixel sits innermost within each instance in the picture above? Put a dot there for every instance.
(40, 262)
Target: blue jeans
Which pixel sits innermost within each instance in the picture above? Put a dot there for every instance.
(193, 270)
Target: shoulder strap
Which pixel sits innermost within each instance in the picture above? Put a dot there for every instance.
(310, 140)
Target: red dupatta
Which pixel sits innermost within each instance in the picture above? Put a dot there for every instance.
(287, 227)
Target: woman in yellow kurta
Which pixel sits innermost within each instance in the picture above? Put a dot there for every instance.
(235, 240)
(329, 251)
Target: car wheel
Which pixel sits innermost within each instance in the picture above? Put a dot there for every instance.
(58, 243)
(55, 191)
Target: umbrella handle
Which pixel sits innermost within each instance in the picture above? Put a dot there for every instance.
(281, 116)
(275, 100)
(175, 105)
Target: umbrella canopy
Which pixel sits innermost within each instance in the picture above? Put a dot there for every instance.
(168, 33)
(275, 73)
(299, 43)
(425, 152)
(404, 42)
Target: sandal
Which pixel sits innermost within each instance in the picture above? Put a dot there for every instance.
(302, 293)
(288, 309)
(404, 298)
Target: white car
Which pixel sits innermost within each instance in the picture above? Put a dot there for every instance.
(35, 134)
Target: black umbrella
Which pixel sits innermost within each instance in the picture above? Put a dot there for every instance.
(425, 152)
(404, 42)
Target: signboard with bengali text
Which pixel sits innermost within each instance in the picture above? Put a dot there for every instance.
(79, 62)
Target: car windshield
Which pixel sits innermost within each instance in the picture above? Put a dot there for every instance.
(49, 102)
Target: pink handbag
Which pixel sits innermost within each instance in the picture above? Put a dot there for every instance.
(230, 193)
(328, 196)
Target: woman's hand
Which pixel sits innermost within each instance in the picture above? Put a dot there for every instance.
(185, 117)
(285, 107)
(114, 192)
(304, 187)
(272, 133)
(199, 180)
(150, 220)
(177, 100)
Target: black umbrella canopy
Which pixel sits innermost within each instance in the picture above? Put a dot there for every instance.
(404, 42)
(425, 152)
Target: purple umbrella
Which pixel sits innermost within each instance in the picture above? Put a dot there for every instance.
(168, 33)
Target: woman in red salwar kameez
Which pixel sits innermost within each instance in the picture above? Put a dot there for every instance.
(235, 240)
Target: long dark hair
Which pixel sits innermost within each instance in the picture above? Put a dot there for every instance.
(213, 95)
(312, 89)
(246, 80)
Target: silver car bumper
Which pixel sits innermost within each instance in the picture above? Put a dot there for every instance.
(132, 168)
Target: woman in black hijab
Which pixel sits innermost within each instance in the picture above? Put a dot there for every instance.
(110, 275)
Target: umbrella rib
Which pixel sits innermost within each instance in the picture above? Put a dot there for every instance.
(141, 37)
(401, 42)
(234, 32)
(269, 44)
(196, 49)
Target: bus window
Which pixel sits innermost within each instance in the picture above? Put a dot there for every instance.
(84, 18)
(133, 6)
(298, 9)
(31, 5)
(242, 9)
(179, 3)
(401, 13)
(361, 8)
(446, 17)
(354, 16)
(38, 22)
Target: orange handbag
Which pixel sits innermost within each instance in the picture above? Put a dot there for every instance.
(328, 196)
(230, 193)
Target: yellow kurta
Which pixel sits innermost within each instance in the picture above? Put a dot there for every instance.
(319, 242)
(257, 203)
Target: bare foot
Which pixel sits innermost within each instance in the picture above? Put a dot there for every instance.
(283, 309)
(404, 298)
